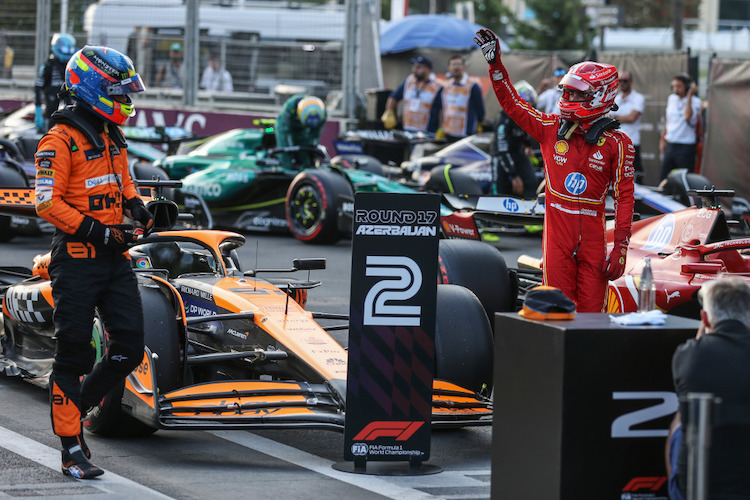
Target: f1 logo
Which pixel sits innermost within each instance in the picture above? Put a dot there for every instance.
(575, 183)
(639, 483)
(401, 430)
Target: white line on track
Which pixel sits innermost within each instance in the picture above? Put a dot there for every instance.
(320, 465)
(50, 457)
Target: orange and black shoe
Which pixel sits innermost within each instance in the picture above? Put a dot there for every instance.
(75, 463)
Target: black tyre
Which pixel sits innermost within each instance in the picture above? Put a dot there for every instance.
(480, 268)
(312, 205)
(447, 179)
(463, 339)
(161, 334)
(10, 177)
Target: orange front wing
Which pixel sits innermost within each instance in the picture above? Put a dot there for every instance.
(245, 404)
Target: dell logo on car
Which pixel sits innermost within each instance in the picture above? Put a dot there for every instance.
(510, 205)
(575, 183)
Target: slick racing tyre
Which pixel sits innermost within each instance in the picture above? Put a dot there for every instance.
(463, 339)
(480, 268)
(161, 335)
(312, 205)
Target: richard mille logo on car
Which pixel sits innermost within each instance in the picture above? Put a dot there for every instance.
(396, 222)
(195, 292)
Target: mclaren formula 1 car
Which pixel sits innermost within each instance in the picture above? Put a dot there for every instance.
(229, 347)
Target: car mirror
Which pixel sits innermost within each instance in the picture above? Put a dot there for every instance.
(309, 264)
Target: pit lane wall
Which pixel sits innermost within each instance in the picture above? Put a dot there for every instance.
(202, 122)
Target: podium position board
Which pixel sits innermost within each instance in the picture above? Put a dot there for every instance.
(582, 407)
(392, 327)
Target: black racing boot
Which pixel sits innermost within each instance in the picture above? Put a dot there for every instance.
(75, 463)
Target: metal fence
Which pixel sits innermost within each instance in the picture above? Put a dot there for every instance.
(270, 49)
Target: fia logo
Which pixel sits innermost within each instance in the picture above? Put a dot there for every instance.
(575, 183)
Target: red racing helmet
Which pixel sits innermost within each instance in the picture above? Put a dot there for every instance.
(598, 81)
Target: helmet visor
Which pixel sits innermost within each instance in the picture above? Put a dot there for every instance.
(127, 86)
(575, 82)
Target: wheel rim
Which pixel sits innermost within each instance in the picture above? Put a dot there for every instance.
(306, 209)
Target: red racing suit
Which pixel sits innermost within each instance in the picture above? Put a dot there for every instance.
(578, 176)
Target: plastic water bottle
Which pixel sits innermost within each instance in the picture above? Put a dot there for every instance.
(647, 288)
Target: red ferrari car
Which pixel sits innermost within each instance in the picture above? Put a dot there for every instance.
(687, 248)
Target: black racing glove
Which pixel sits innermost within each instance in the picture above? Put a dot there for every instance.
(489, 44)
(139, 212)
(118, 238)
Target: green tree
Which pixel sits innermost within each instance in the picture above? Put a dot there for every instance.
(557, 26)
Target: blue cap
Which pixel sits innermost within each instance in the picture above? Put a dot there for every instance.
(422, 60)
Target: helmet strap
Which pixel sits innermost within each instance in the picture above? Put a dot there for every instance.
(566, 129)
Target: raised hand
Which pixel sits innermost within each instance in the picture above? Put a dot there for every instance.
(489, 44)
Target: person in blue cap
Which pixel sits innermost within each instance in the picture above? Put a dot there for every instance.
(50, 79)
(422, 100)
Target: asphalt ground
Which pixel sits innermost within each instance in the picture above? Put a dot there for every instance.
(219, 464)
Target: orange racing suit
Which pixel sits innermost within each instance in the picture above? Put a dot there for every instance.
(82, 171)
(578, 174)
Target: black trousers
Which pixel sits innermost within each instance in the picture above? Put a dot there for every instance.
(85, 279)
(677, 156)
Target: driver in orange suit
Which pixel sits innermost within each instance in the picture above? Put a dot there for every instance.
(83, 188)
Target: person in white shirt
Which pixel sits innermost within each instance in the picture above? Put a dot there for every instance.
(631, 104)
(678, 144)
(547, 102)
(215, 77)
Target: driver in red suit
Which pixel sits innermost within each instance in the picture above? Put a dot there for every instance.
(584, 156)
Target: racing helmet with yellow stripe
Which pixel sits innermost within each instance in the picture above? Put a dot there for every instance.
(101, 78)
